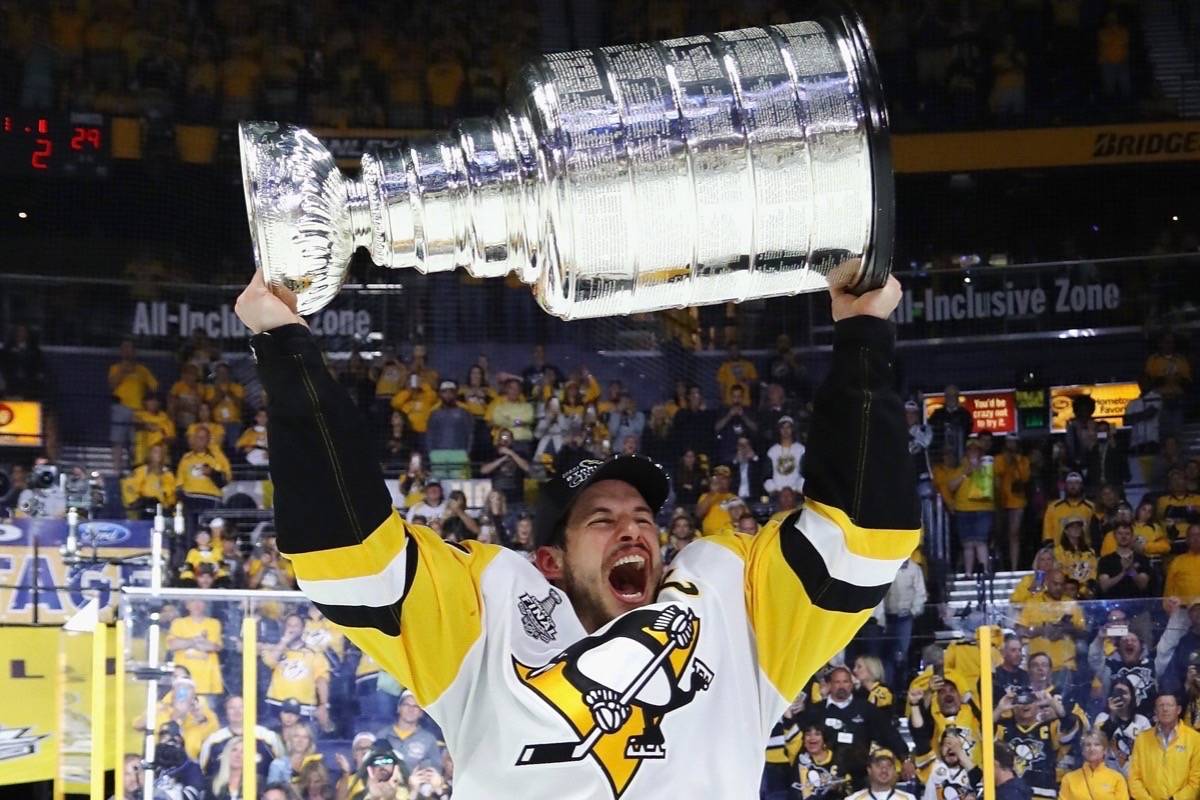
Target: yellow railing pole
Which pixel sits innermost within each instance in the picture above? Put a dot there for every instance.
(249, 706)
(60, 713)
(119, 713)
(986, 723)
(99, 715)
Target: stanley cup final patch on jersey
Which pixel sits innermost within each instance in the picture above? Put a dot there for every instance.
(615, 688)
(537, 615)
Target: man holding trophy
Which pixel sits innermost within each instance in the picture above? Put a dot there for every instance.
(594, 673)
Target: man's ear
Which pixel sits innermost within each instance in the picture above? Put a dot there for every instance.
(549, 561)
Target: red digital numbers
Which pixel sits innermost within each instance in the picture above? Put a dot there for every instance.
(85, 138)
(40, 159)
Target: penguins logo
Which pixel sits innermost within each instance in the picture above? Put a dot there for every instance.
(615, 689)
(1028, 752)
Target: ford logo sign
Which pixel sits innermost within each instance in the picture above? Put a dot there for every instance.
(102, 533)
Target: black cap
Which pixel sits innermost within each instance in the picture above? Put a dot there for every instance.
(170, 728)
(557, 494)
(206, 567)
(381, 755)
(290, 706)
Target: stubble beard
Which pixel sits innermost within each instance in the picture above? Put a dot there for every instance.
(586, 599)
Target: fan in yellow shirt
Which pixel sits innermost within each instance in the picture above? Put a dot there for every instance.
(1178, 507)
(735, 371)
(186, 395)
(203, 470)
(1149, 537)
(226, 396)
(1012, 475)
(1075, 558)
(417, 400)
(1053, 625)
(974, 488)
(216, 431)
(130, 381)
(204, 552)
(149, 485)
(194, 642)
(1183, 576)
(941, 475)
(252, 444)
(712, 509)
(476, 394)
(1031, 587)
(297, 672)
(1072, 505)
(192, 717)
(151, 426)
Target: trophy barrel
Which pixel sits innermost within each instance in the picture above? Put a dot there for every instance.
(703, 169)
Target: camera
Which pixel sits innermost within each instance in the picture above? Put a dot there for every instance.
(52, 490)
(43, 476)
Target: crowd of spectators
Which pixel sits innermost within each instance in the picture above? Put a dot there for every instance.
(1108, 512)
(376, 64)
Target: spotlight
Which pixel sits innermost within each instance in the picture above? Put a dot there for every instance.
(22, 215)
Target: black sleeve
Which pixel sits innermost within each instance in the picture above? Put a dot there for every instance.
(329, 489)
(857, 456)
(887, 733)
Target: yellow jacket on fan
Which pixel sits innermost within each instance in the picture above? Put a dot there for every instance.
(1157, 772)
(1085, 783)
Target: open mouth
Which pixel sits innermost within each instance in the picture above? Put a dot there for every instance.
(628, 575)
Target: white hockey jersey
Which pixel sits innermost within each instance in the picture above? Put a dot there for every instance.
(674, 699)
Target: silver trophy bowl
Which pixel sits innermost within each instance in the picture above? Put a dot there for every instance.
(705, 169)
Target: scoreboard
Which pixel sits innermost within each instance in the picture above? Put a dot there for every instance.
(54, 144)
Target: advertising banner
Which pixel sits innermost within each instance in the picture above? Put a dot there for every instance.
(28, 725)
(994, 410)
(62, 589)
(20, 423)
(1111, 399)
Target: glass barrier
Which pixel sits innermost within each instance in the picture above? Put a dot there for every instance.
(320, 704)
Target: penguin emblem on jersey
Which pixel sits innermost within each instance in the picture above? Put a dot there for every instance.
(614, 690)
(1028, 752)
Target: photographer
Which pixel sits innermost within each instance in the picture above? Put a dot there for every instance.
(1121, 723)
(49, 493)
(507, 469)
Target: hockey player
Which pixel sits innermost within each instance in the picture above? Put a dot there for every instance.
(595, 674)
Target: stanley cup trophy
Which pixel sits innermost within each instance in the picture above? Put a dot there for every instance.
(705, 169)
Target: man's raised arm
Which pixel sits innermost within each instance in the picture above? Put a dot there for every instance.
(353, 556)
(816, 576)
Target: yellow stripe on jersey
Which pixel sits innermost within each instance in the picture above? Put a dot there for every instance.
(441, 617)
(784, 613)
(368, 557)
